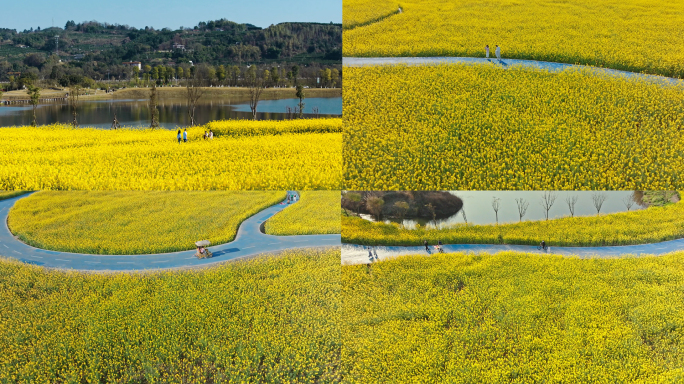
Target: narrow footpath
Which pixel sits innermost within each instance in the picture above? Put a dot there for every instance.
(249, 241)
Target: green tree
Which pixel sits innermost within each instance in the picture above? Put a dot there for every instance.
(136, 74)
(295, 73)
(155, 73)
(221, 73)
(266, 75)
(34, 92)
(275, 77)
(334, 77)
(180, 73)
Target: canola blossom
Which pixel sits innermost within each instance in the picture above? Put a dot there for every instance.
(484, 127)
(358, 13)
(514, 318)
(631, 35)
(133, 222)
(651, 225)
(317, 213)
(61, 157)
(263, 320)
(269, 127)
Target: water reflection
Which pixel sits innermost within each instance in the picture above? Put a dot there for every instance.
(478, 207)
(172, 112)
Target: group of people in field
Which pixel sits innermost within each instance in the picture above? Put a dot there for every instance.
(497, 52)
(208, 135)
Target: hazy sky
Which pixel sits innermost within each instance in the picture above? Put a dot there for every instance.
(172, 14)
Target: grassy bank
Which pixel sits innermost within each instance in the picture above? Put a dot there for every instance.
(268, 319)
(514, 318)
(231, 93)
(132, 222)
(651, 225)
(318, 212)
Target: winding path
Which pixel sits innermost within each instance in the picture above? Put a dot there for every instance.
(249, 241)
(550, 66)
(358, 254)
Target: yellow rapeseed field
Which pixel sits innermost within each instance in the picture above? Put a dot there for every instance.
(362, 12)
(651, 225)
(264, 320)
(270, 127)
(484, 127)
(514, 318)
(632, 35)
(318, 212)
(60, 157)
(133, 222)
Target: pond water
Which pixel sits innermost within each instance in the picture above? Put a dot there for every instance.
(172, 113)
(478, 207)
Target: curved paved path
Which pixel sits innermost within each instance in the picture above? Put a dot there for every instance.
(358, 254)
(249, 241)
(553, 67)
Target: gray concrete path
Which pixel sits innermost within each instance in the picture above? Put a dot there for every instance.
(249, 241)
(506, 63)
(358, 254)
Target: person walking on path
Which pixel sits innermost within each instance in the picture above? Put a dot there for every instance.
(185, 135)
(487, 51)
(498, 52)
(425, 243)
(179, 136)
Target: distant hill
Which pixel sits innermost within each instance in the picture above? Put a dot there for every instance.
(219, 42)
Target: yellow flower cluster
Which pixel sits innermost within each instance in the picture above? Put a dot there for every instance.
(265, 320)
(484, 127)
(133, 222)
(60, 157)
(651, 225)
(632, 35)
(270, 127)
(318, 212)
(357, 13)
(514, 318)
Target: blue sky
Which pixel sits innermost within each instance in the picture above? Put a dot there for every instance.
(172, 14)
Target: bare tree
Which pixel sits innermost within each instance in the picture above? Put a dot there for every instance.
(571, 201)
(300, 95)
(598, 199)
(464, 215)
(522, 207)
(431, 208)
(74, 92)
(547, 200)
(154, 112)
(402, 207)
(374, 205)
(495, 206)
(256, 86)
(628, 201)
(194, 91)
(356, 199)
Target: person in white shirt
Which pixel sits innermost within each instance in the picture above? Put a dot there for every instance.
(487, 51)
(498, 52)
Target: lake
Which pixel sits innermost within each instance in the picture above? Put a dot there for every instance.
(172, 113)
(478, 207)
